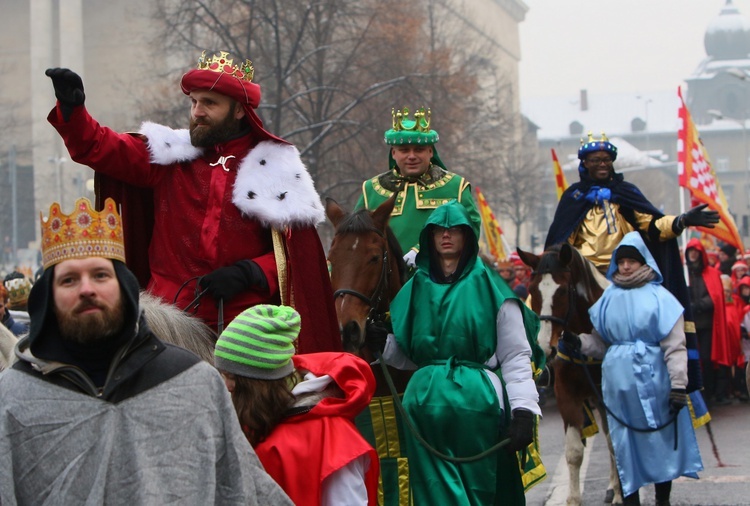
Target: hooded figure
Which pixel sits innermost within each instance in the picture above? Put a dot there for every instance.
(638, 328)
(82, 418)
(473, 343)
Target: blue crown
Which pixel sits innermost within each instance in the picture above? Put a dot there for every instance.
(593, 145)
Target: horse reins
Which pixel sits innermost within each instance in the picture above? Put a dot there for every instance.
(380, 289)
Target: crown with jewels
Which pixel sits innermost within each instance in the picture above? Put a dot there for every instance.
(600, 144)
(223, 64)
(18, 292)
(411, 131)
(82, 234)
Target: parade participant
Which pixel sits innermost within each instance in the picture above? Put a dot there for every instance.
(735, 367)
(713, 258)
(17, 328)
(506, 270)
(298, 410)
(727, 258)
(97, 410)
(707, 304)
(232, 205)
(739, 270)
(422, 181)
(595, 213)
(470, 340)
(638, 327)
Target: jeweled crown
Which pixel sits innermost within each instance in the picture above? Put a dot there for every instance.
(420, 123)
(222, 63)
(82, 234)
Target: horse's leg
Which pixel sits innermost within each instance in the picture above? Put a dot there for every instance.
(574, 458)
(614, 492)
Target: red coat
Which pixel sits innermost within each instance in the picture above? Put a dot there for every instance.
(187, 221)
(306, 449)
(734, 313)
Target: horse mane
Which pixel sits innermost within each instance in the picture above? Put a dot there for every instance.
(360, 222)
(172, 325)
(588, 275)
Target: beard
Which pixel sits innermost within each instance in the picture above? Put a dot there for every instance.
(213, 133)
(92, 327)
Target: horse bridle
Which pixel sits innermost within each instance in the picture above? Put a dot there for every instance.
(380, 289)
(572, 299)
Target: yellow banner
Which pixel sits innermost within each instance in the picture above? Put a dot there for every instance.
(560, 183)
(492, 230)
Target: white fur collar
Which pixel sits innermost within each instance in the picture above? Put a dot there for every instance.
(272, 184)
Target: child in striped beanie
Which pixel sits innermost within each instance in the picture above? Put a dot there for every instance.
(298, 410)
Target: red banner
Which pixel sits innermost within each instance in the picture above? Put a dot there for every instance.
(694, 172)
(492, 230)
(560, 183)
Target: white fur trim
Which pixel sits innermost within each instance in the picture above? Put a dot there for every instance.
(273, 186)
(167, 145)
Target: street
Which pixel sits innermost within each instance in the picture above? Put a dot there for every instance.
(718, 485)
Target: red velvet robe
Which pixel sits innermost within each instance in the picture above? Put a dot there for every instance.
(304, 450)
(180, 223)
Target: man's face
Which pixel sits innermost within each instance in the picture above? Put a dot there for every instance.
(88, 303)
(599, 165)
(449, 242)
(412, 161)
(507, 273)
(214, 118)
(693, 254)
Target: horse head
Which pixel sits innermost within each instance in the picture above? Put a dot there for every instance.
(563, 286)
(366, 267)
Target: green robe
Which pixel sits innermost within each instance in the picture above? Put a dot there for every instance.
(449, 330)
(416, 202)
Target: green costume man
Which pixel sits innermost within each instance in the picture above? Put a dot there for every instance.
(419, 177)
(473, 343)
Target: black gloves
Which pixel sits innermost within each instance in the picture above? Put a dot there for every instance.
(571, 340)
(521, 430)
(695, 217)
(678, 399)
(68, 89)
(226, 282)
(376, 334)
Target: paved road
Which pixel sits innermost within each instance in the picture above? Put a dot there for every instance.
(718, 485)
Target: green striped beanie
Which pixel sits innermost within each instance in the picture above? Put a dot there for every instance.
(259, 343)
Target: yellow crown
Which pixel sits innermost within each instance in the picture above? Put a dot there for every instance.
(82, 234)
(18, 292)
(223, 64)
(420, 123)
(591, 138)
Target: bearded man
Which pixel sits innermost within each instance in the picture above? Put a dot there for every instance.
(98, 410)
(230, 209)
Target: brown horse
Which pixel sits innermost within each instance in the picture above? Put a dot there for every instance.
(563, 286)
(367, 271)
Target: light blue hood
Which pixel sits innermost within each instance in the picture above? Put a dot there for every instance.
(635, 240)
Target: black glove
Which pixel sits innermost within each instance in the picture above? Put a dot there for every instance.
(68, 89)
(521, 430)
(376, 334)
(696, 217)
(226, 282)
(571, 340)
(678, 399)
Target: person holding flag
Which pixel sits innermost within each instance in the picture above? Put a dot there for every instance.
(596, 213)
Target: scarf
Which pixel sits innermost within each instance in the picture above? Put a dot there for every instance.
(643, 275)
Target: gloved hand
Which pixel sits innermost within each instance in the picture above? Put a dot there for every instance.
(411, 259)
(678, 399)
(68, 89)
(571, 340)
(696, 217)
(226, 282)
(521, 430)
(376, 334)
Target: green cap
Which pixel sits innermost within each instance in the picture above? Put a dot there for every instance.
(411, 131)
(259, 343)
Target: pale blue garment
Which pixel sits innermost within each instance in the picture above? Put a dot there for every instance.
(635, 380)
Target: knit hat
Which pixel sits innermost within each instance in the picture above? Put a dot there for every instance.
(259, 343)
(631, 252)
(728, 250)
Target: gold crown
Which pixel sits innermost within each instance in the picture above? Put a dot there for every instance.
(222, 63)
(18, 292)
(591, 138)
(82, 234)
(420, 123)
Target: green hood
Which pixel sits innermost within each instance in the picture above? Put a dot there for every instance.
(451, 214)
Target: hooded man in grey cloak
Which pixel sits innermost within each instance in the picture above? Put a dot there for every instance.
(117, 417)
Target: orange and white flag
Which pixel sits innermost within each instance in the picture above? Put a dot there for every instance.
(560, 183)
(694, 172)
(492, 230)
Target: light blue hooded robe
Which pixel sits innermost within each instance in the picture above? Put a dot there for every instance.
(635, 379)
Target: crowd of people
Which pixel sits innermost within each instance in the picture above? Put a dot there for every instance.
(91, 397)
